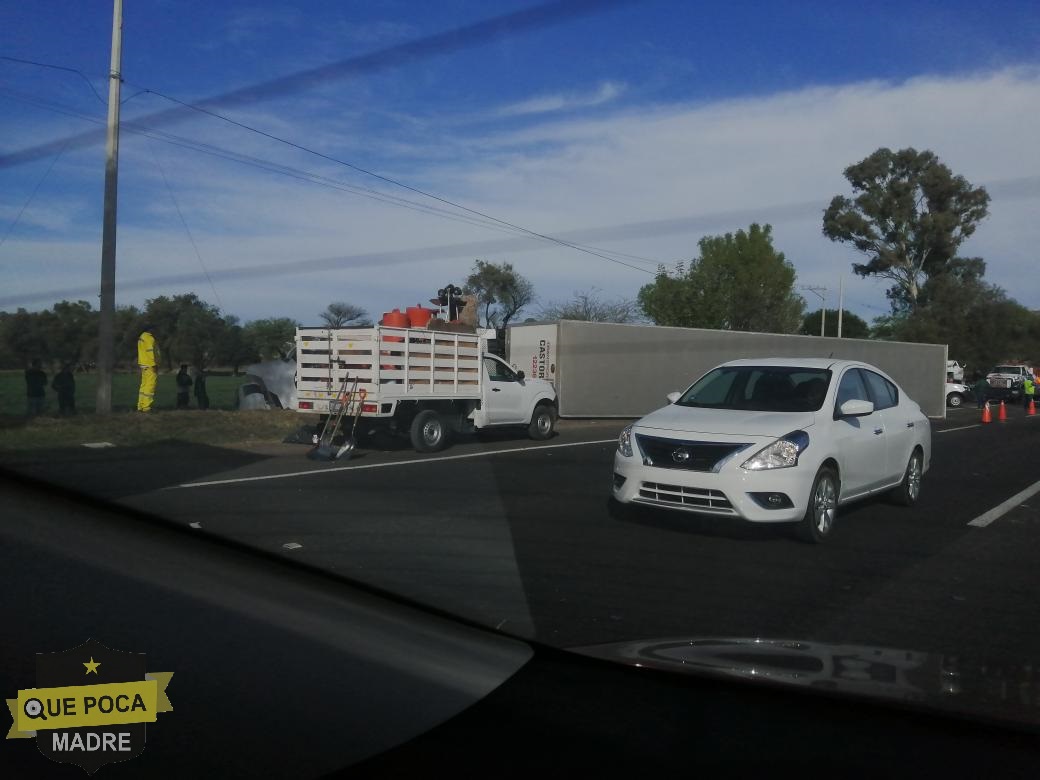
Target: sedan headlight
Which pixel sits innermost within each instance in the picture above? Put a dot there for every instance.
(624, 443)
(781, 454)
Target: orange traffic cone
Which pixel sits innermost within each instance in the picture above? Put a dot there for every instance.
(1032, 408)
(1002, 412)
(987, 416)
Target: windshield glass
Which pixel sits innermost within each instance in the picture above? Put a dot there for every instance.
(402, 293)
(760, 389)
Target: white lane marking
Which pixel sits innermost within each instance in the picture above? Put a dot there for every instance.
(962, 428)
(292, 546)
(999, 511)
(392, 464)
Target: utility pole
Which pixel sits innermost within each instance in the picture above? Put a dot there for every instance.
(106, 325)
(841, 302)
(823, 304)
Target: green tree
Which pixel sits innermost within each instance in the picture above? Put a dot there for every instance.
(72, 332)
(185, 326)
(197, 338)
(340, 313)
(739, 282)
(8, 359)
(909, 215)
(981, 325)
(587, 306)
(501, 292)
(26, 336)
(233, 348)
(271, 338)
(128, 323)
(887, 327)
(852, 327)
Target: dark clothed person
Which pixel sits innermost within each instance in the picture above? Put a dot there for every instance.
(64, 385)
(981, 388)
(35, 389)
(183, 386)
(201, 399)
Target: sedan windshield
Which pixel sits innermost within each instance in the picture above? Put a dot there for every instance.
(760, 389)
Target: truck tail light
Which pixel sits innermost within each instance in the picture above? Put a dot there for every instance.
(369, 408)
(306, 405)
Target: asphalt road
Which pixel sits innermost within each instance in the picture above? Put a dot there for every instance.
(520, 535)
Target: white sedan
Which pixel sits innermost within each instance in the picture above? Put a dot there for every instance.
(777, 440)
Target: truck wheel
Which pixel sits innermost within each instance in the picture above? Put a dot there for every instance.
(428, 432)
(542, 422)
(954, 399)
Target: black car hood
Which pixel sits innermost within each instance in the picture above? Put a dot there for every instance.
(1006, 692)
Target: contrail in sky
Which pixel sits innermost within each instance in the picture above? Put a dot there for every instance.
(478, 33)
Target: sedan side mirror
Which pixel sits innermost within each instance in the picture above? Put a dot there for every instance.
(673, 397)
(520, 374)
(856, 408)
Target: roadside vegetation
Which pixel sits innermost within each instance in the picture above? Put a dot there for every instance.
(220, 425)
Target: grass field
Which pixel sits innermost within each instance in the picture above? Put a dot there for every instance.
(221, 390)
(219, 425)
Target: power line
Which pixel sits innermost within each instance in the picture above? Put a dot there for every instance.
(79, 73)
(485, 221)
(396, 183)
(32, 195)
(256, 162)
(466, 36)
(187, 230)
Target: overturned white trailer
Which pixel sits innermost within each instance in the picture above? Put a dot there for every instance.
(611, 370)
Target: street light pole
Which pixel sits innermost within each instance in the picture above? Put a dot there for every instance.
(841, 302)
(823, 304)
(106, 324)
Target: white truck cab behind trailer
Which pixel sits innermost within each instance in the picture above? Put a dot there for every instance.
(426, 384)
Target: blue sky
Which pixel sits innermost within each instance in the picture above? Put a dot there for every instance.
(633, 129)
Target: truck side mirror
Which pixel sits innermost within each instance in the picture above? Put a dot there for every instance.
(520, 374)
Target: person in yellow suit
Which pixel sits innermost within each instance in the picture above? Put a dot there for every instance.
(148, 361)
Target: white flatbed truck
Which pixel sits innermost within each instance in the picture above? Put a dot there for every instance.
(425, 384)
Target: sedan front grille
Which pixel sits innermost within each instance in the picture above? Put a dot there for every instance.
(695, 499)
(687, 455)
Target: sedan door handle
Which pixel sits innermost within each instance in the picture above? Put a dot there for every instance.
(878, 431)
(496, 389)
(909, 425)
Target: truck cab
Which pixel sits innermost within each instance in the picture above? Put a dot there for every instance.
(1005, 381)
(508, 399)
(508, 396)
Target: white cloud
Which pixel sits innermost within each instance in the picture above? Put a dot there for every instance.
(708, 168)
(546, 104)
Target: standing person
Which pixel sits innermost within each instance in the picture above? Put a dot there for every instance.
(148, 362)
(1028, 390)
(183, 386)
(201, 399)
(64, 385)
(35, 388)
(981, 388)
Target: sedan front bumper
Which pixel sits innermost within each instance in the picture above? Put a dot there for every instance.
(732, 492)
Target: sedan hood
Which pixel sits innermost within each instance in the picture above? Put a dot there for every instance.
(725, 421)
(948, 682)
